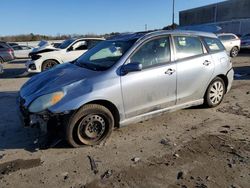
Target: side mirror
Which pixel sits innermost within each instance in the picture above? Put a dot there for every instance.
(131, 67)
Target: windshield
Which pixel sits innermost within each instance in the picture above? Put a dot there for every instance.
(66, 43)
(104, 55)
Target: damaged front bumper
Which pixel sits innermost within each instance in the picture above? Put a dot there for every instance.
(37, 120)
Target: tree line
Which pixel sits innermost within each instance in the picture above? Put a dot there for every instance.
(38, 37)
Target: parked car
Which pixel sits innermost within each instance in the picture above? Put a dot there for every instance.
(47, 56)
(21, 51)
(245, 42)
(12, 44)
(231, 43)
(56, 44)
(126, 79)
(6, 53)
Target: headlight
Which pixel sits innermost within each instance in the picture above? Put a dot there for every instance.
(45, 101)
(35, 57)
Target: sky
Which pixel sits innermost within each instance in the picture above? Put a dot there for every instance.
(54, 17)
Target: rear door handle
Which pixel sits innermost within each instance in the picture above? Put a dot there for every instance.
(206, 63)
(170, 71)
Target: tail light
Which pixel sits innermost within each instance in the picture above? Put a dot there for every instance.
(11, 51)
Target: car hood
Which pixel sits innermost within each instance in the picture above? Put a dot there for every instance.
(56, 79)
(43, 49)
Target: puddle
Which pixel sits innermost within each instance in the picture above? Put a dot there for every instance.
(19, 164)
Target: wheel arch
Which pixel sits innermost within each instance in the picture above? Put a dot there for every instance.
(53, 59)
(224, 78)
(109, 105)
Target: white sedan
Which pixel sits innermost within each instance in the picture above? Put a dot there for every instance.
(47, 56)
(21, 51)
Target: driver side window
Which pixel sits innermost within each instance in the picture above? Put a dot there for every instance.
(153, 52)
(81, 45)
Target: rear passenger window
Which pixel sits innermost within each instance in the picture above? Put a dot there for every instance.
(226, 37)
(214, 44)
(186, 46)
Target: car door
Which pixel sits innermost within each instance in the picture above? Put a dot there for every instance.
(154, 87)
(75, 51)
(24, 52)
(195, 68)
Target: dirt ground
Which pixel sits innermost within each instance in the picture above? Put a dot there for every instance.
(195, 147)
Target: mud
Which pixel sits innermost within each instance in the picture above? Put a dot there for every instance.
(19, 164)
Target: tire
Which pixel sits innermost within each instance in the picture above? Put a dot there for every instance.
(215, 93)
(48, 64)
(1, 60)
(234, 51)
(90, 125)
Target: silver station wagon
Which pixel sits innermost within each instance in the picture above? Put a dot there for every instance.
(125, 79)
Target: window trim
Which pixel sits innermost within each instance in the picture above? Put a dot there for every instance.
(148, 40)
(207, 47)
(205, 52)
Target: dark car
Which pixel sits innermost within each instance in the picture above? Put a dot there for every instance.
(6, 52)
(12, 44)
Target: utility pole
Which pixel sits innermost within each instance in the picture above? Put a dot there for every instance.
(146, 27)
(173, 15)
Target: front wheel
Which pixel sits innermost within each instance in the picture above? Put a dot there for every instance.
(215, 93)
(48, 64)
(90, 125)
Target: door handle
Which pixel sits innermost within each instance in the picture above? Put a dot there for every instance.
(170, 71)
(206, 63)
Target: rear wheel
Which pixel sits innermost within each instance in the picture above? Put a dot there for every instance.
(48, 64)
(234, 52)
(91, 125)
(215, 92)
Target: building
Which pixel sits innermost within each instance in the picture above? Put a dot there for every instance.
(231, 16)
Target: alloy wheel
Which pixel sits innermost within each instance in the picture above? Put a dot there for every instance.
(216, 92)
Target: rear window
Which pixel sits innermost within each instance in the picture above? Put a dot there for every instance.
(226, 37)
(214, 44)
(187, 46)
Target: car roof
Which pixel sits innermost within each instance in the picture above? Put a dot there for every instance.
(142, 35)
(87, 38)
(222, 34)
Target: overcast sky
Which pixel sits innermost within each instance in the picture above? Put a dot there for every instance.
(53, 17)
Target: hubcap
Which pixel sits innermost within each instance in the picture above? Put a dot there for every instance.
(234, 52)
(91, 127)
(216, 92)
